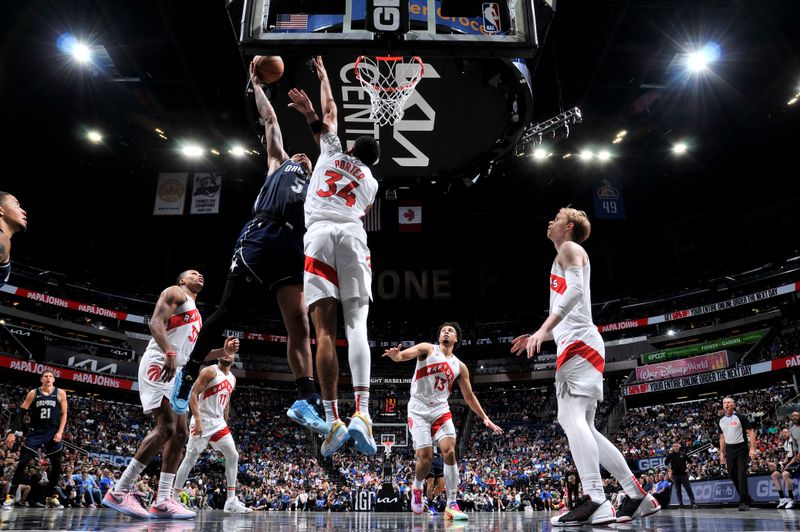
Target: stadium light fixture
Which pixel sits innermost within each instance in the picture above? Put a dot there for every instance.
(680, 148)
(94, 136)
(192, 151)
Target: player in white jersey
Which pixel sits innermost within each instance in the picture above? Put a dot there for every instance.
(429, 417)
(174, 325)
(210, 403)
(579, 378)
(337, 265)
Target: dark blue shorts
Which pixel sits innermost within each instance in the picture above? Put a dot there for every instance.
(437, 468)
(39, 438)
(269, 253)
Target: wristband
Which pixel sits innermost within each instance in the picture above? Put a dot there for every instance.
(316, 126)
(170, 353)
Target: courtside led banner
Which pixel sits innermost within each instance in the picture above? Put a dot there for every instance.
(72, 305)
(64, 374)
(682, 367)
(704, 309)
(716, 345)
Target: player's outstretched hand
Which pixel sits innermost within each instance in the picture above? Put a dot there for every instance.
(393, 353)
(301, 102)
(519, 343)
(254, 79)
(231, 345)
(494, 428)
(319, 66)
(10, 439)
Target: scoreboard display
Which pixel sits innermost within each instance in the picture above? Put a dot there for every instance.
(389, 406)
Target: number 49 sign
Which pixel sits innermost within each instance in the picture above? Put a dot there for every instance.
(608, 203)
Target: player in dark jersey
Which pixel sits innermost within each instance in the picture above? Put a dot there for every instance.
(435, 483)
(13, 219)
(269, 256)
(47, 408)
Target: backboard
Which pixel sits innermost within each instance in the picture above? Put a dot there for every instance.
(464, 28)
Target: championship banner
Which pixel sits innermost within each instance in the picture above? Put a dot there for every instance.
(72, 305)
(682, 367)
(63, 374)
(206, 193)
(170, 193)
(680, 352)
(704, 309)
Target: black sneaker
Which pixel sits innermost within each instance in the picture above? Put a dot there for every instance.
(694, 506)
(743, 507)
(586, 512)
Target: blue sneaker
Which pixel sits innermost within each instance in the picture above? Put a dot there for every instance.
(304, 414)
(179, 398)
(336, 437)
(360, 430)
(432, 510)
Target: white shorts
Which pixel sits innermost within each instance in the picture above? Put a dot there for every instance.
(580, 363)
(427, 429)
(220, 439)
(152, 390)
(337, 262)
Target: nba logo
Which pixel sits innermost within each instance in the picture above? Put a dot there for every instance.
(491, 17)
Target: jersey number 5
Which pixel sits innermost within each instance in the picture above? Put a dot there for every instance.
(346, 192)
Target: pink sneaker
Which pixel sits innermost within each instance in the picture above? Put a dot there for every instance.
(125, 502)
(417, 502)
(170, 509)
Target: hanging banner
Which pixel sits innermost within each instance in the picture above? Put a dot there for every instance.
(682, 367)
(206, 193)
(608, 202)
(170, 193)
(680, 352)
(409, 216)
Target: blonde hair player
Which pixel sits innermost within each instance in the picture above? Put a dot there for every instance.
(429, 417)
(579, 378)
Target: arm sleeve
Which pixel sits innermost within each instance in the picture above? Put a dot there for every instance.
(573, 294)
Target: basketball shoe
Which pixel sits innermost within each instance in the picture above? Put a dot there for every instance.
(235, 506)
(335, 438)
(306, 413)
(179, 398)
(126, 503)
(360, 430)
(587, 512)
(635, 508)
(454, 513)
(170, 509)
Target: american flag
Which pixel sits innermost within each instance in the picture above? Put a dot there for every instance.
(291, 22)
(372, 220)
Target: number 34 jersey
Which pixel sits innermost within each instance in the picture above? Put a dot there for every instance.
(433, 381)
(341, 188)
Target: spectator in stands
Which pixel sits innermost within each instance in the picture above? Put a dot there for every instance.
(661, 490)
(676, 461)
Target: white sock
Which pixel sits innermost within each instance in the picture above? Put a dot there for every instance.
(362, 402)
(130, 475)
(231, 492)
(165, 483)
(417, 485)
(451, 482)
(331, 410)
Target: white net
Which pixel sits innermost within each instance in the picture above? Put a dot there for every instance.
(389, 81)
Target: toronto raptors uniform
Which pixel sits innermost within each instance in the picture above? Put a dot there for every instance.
(337, 258)
(429, 417)
(213, 402)
(580, 350)
(182, 330)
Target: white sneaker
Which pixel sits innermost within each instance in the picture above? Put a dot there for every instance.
(789, 504)
(235, 506)
(586, 512)
(782, 502)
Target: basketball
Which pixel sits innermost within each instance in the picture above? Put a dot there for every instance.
(268, 67)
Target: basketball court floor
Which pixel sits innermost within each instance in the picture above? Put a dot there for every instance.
(704, 520)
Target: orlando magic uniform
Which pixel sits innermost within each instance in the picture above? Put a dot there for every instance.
(269, 249)
(429, 417)
(5, 272)
(45, 416)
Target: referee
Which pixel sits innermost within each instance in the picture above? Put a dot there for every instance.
(735, 432)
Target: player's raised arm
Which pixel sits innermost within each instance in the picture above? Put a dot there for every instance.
(419, 350)
(273, 138)
(472, 401)
(327, 103)
(302, 104)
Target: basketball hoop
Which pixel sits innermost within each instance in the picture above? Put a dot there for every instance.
(387, 440)
(389, 80)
